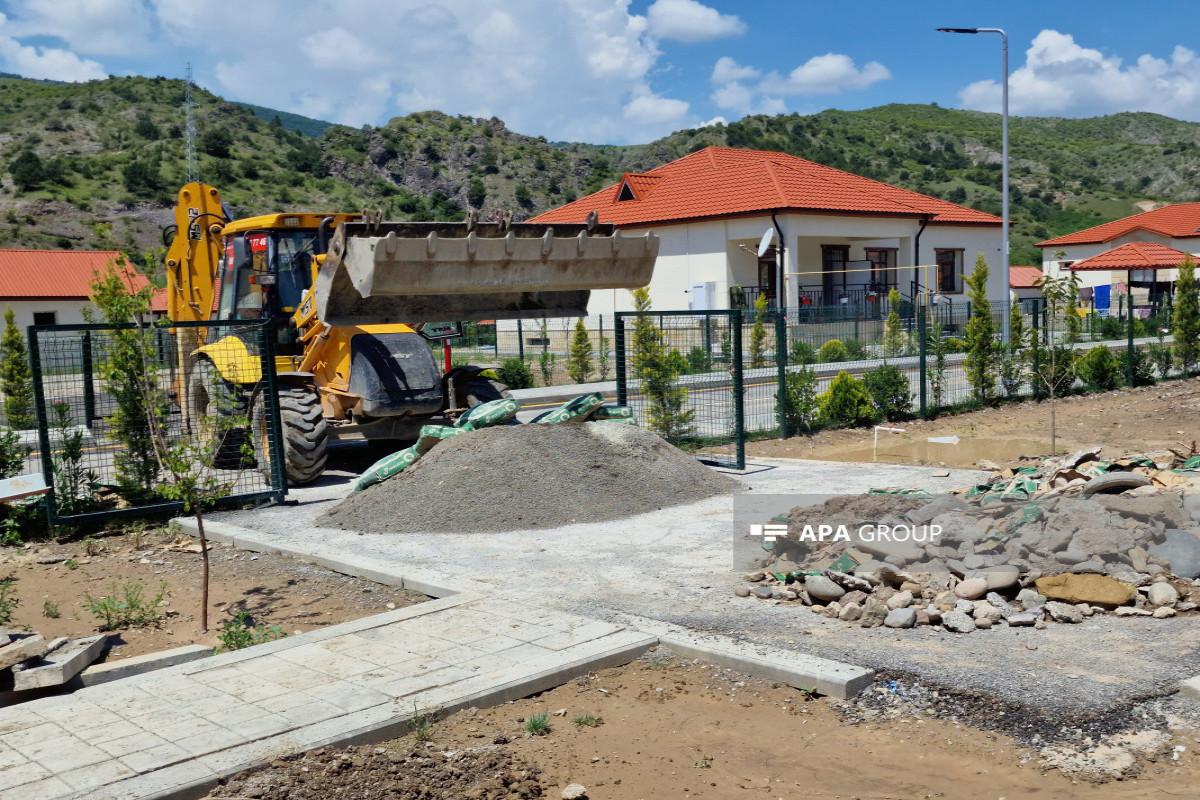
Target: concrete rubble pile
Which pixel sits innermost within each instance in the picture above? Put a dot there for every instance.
(1074, 537)
(33, 662)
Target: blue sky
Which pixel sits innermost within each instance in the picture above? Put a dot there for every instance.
(623, 71)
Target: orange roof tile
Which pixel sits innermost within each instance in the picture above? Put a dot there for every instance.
(26, 274)
(1134, 255)
(1024, 277)
(724, 181)
(1180, 221)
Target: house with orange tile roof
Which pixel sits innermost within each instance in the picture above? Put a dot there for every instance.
(1138, 253)
(846, 239)
(52, 287)
(1023, 282)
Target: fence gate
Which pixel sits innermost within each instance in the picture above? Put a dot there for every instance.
(681, 372)
(93, 385)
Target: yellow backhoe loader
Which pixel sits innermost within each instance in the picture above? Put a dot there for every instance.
(347, 292)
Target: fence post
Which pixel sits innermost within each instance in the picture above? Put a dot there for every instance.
(43, 424)
(89, 391)
(923, 348)
(619, 346)
(781, 359)
(271, 409)
(520, 342)
(1036, 343)
(1129, 371)
(739, 417)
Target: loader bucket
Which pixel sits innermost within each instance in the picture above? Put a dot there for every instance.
(431, 271)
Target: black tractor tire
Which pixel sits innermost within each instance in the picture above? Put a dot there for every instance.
(304, 432)
(478, 390)
(218, 408)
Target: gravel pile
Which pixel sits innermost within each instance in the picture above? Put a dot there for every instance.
(531, 476)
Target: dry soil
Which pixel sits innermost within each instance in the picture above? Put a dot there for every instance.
(1125, 421)
(272, 589)
(676, 729)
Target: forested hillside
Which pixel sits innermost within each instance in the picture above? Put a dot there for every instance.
(98, 164)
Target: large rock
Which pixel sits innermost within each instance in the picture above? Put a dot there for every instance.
(874, 613)
(971, 589)
(1165, 507)
(958, 528)
(851, 612)
(1028, 617)
(899, 600)
(942, 504)
(822, 589)
(1162, 594)
(1002, 577)
(958, 622)
(1097, 590)
(1028, 598)
(1181, 550)
(1191, 504)
(1063, 612)
(901, 618)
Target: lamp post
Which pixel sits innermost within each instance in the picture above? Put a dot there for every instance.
(1003, 161)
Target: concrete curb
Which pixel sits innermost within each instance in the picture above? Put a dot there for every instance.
(138, 665)
(420, 580)
(799, 670)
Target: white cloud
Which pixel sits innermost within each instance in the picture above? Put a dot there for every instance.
(747, 90)
(49, 63)
(831, 73)
(647, 107)
(689, 21)
(1061, 77)
(712, 123)
(726, 70)
(87, 27)
(566, 69)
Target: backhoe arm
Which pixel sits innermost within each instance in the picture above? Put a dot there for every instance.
(192, 259)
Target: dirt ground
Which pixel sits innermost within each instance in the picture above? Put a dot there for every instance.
(1124, 421)
(272, 589)
(678, 728)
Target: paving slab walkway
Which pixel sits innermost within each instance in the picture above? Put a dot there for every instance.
(173, 732)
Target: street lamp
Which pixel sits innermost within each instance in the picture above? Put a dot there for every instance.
(1003, 161)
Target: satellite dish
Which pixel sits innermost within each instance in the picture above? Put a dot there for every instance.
(766, 241)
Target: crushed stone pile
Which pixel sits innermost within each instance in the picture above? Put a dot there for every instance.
(531, 476)
(1047, 550)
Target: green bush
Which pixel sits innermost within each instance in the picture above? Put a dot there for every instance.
(831, 351)
(847, 403)
(240, 632)
(889, 391)
(802, 353)
(125, 606)
(699, 360)
(515, 374)
(856, 350)
(1143, 367)
(677, 363)
(955, 345)
(1099, 370)
(801, 408)
(1163, 359)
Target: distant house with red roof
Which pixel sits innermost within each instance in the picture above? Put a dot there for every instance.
(52, 287)
(1143, 250)
(846, 239)
(1023, 282)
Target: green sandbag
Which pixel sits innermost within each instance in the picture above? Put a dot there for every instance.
(615, 421)
(490, 413)
(574, 409)
(612, 412)
(385, 468)
(432, 434)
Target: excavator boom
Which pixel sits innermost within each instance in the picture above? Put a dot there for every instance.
(429, 271)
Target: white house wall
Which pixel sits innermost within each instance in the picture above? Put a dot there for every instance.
(69, 312)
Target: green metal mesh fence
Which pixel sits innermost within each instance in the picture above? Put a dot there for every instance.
(112, 401)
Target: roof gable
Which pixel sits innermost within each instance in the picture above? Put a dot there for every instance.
(724, 181)
(1179, 221)
(59, 273)
(1134, 255)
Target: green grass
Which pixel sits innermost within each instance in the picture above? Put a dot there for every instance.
(588, 721)
(125, 606)
(537, 725)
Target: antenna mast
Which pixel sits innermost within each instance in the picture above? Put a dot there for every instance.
(189, 134)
